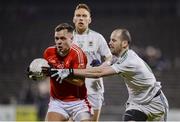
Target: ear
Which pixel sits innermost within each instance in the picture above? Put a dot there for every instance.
(90, 20)
(125, 43)
(74, 20)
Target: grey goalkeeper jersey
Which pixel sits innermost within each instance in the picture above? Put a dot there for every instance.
(139, 79)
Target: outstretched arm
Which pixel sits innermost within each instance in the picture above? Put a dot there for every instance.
(94, 72)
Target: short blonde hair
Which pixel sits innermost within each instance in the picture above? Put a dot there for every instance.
(84, 6)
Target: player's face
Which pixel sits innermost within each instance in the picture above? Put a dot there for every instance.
(116, 45)
(63, 40)
(81, 19)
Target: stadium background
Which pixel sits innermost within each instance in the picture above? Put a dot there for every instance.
(27, 28)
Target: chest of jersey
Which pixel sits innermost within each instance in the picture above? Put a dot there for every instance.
(59, 62)
(87, 43)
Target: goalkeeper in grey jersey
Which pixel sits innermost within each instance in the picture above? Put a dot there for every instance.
(146, 100)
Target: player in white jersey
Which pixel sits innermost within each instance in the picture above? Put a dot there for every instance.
(146, 100)
(95, 47)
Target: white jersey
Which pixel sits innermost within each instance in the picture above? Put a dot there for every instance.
(95, 46)
(140, 81)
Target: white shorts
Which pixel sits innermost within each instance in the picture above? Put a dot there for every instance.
(156, 109)
(96, 100)
(77, 110)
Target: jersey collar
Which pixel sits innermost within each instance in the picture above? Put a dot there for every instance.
(85, 32)
(124, 53)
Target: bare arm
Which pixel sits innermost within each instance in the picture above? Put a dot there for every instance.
(95, 72)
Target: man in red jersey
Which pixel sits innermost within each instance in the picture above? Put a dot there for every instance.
(67, 99)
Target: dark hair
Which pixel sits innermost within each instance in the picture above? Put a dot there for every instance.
(84, 6)
(125, 35)
(63, 26)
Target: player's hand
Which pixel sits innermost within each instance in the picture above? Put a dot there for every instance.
(95, 63)
(58, 74)
(30, 75)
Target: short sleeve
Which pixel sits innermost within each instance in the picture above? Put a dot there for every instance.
(124, 65)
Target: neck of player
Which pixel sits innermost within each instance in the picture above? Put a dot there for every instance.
(82, 31)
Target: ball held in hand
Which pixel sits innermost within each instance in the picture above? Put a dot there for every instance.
(35, 68)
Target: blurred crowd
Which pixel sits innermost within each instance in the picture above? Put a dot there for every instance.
(154, 58)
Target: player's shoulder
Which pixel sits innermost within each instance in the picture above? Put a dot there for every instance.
(78, 53)
(76, 49)
(132, 54)
(93, 32)
(50, 49)
(131, 57)
(129, 54)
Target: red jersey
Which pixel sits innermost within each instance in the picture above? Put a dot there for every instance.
(74, 59)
